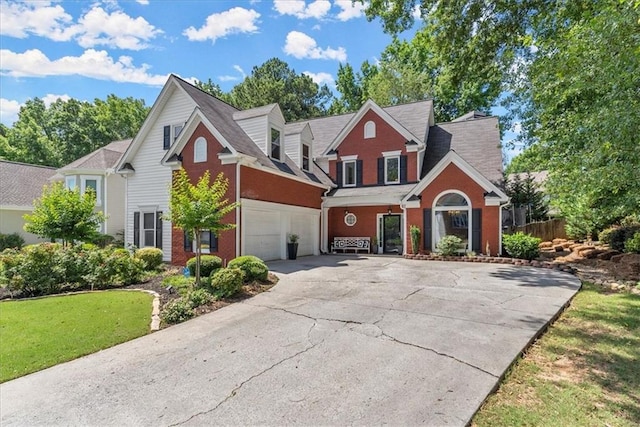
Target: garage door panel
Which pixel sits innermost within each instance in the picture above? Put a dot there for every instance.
(304, 226)
(262, 234)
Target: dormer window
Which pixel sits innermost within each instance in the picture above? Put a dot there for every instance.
(200, 150)
(306, 158)
(369, 130)
(275, 144)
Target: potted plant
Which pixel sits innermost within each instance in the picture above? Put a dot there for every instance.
(292, 246)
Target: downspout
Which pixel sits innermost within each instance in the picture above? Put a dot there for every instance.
(238, 227)
(404, 227)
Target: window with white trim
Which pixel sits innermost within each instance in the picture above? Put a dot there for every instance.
(306, 158)
(275, 144)
(208, 242)
(392, 170)
(169, 134)
(349, 173)
(369, 130)
(70, 182)
(200, 150)
(94, 183)
(147, 228)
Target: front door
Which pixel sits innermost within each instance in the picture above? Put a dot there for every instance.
(391, 234)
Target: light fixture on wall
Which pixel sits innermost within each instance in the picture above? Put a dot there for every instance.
(346, 211)
(389, 210)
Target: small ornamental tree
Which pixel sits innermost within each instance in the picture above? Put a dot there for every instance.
(64, 214)
(200, 207)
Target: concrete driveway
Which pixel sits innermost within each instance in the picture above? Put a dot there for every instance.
(340, 340)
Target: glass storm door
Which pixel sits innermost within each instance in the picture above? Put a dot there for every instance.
(391, 234)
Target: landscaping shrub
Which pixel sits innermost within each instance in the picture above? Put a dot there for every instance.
(226, 282)
(605, 235)
(177, 310)
(208, 263)
(199, 297)
(11, 241)
(449, 245)
(252, 267)
(633, 245)
(73, 264)
(34, 272)
(621, 234)
(151, 257)
(520, 245)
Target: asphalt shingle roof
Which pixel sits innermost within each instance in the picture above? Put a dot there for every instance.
(103, 158)
(477, 141)
(21, 184)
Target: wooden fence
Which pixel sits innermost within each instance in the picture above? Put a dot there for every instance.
(546, 230)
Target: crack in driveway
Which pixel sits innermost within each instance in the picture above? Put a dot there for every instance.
(252, 377)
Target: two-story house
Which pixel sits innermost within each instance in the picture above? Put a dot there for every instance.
(367, 174)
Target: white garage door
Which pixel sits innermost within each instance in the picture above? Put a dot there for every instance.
(262, 234)
(267, 225)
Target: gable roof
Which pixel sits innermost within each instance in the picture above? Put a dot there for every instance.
(21, 183)
(477, 141)
(221, 116)
(370, 105)
(101, 159)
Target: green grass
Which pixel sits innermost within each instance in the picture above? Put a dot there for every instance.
(38, 333)
(584, 371)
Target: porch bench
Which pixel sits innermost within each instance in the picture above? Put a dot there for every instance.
(356, 244)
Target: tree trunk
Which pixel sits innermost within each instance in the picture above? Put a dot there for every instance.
(197, 239)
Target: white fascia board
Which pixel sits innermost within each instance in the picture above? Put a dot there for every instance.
(412, 205)
(370, 105)
(194, 120)
(80, 171)
(373, 200)
(168, 88)
(16, 208)
(453, 157)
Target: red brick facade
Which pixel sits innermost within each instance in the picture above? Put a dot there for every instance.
(369, 150)
(453, 178)
(268, 187)
(227, 239)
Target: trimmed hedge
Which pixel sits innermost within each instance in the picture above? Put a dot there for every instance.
(11, 241)
(252, 267)
(151, 257)
(226, 282)
(208, 264)
(520, 245)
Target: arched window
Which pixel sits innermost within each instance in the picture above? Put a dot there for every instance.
(452, 216)
(200, 150)
(369, 130)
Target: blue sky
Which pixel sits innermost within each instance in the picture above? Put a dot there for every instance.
(87, 50)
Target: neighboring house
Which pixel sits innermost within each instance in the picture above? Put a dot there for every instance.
(367, 174)
(96, 171)
(20, 185)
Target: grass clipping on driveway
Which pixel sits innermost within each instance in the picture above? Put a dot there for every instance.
(584, 371)
(39, 333)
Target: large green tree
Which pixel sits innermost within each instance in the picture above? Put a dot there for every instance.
(275, 82)
(64, 214)
(571, 71)
(66, 130)
(200, 207)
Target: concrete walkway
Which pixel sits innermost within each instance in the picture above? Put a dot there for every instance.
(340, 340)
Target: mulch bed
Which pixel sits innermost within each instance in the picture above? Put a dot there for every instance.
(247, 291)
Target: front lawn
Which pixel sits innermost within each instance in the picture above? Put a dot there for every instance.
(39, 333)
(584, 371)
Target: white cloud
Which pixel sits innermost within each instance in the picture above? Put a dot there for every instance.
(96, 27)
(350, 10)
(9, 110)
(416, 12)
(116, 29)
(38, 18)
(317, 9)
(320, 78)
(300, 45)
(240, 70)
(143, 2)
(233, 21)
(92, 63)
(516, 127)
(50, 98)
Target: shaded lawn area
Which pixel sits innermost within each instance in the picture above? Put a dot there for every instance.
(584, 371)
(39, 333)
